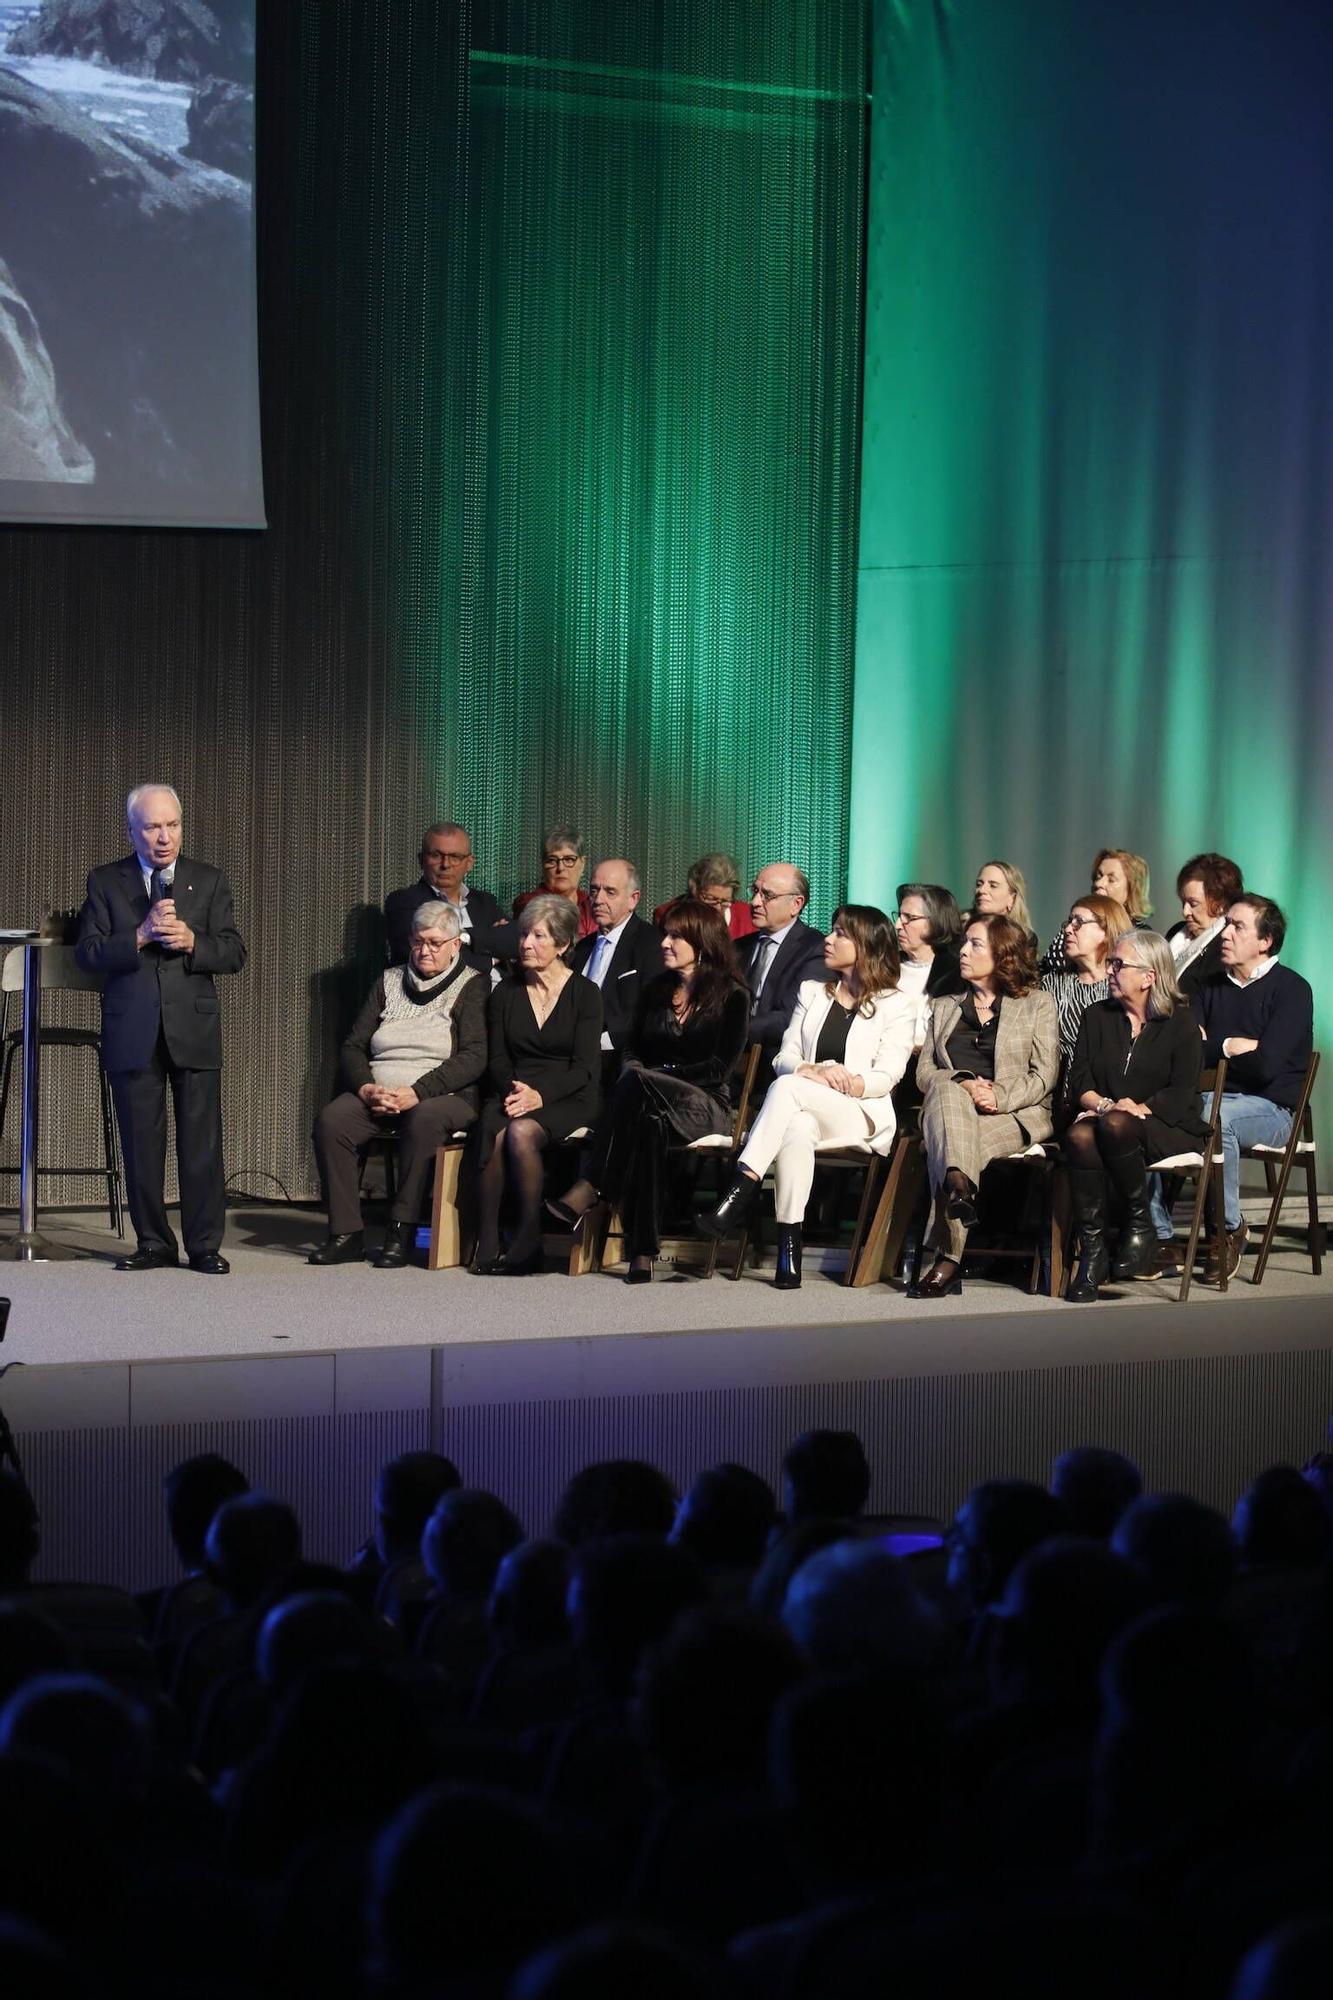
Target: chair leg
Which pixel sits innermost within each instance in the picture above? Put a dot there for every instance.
(1277, 1179)
(1220, 1234)
(1196, 1221)
(115, 1200)
(866, 1209)
(1062, 1223)
(11, 1049)
(742, 1246)
(1316, 1227)
(446, 1236)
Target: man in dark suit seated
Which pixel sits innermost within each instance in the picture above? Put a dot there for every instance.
(156, 927)
(446, 857)
(781, 952)
(620, 958)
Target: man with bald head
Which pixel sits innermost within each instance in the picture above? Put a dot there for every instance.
(156, 928)
(620, 957)
(781, 952)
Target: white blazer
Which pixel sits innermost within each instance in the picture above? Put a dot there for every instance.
(879, 1048)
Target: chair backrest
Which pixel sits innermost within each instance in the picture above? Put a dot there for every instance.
(1216, 1081)
(61, 971)
(752, 1058)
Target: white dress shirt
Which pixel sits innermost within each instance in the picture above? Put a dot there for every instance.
(1185, 949)
(599, 961)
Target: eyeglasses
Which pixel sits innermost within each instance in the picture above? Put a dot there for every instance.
(1125, 965)
(437, 854)
(431, 941)
(560, 860)
(771, 895)
(1077, 923)
(909, 917)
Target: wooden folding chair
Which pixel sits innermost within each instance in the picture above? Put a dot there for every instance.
(1278, 1162)
(1205, 1168)
(857, 1158)
(880, 1250)
(446, 1233)
(608, 1243)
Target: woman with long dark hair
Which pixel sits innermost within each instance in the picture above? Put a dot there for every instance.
(674, 1083)
(847, 1044)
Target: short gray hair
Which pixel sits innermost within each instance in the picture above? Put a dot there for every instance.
(558, 914)
(632, 882)
(1155, 956)
(141, 792)
(714, 871)
(437, 915)
(563, 835)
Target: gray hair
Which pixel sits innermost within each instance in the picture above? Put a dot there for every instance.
(632, 882)
(558, 914)
(714, 871)
(563, 836)
(141, 792)
(445, 827)
(1155, 956)
(437, 915)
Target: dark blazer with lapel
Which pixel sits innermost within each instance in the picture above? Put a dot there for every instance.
(154, 987)
(484, 913)
(636, 959)
(799, 956)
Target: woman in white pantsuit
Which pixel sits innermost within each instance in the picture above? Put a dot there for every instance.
(847, 1044)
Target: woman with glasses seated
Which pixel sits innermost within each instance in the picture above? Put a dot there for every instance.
(563, 862)
(1085, 946)
(848, 1042)
(927, 925)
(1122, 878)
(716, 879)
(1134, 1085)
(987, 1074)
(674, 1084)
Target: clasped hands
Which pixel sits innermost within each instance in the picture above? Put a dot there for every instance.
(1129, 1104)
(521, 1100)
(162, 926)
(835, 1076)
(981, 1091)
(382, 1101)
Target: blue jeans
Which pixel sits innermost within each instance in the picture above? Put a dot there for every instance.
(1246, 1121)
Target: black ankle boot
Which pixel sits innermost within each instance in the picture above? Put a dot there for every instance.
(1087, 1188)
(1136, 1252)
(399, 1243)
(732, 1210)
(787, 1277)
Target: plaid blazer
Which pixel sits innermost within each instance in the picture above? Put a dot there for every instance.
(1027, 1055)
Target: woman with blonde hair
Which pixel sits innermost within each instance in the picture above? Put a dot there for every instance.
(1134, 1087)
(1001, 890)
(1120, 876)
(847, 1044)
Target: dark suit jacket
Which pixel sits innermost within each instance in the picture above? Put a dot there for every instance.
(155, 987)
(1205, 967)
(479, 946)
(636, 959)
(800, 956)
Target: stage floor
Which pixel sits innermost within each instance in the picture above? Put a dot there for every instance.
(83, 1312)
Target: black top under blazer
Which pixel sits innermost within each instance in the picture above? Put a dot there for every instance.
(636, 959)
(1159, 1069)
(561, 1058)
(153, 988)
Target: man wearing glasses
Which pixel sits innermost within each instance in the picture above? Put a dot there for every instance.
(446, 857)
(781, 952)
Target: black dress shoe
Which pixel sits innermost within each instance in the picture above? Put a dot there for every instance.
(935, 1285)
(212, 1264)
(347, 1248)
(639, 1274)
(149, 1260)
(520, 1267)
(485, 1267)
(960, 1200)
(399, 1243)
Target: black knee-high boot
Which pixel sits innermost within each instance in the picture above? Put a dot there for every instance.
(1087, 1193)
(1136, 1253)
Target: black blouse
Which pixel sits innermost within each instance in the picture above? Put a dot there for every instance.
(1159, 1067)
(971, 1048)
(699, 1049)
(832, 1044)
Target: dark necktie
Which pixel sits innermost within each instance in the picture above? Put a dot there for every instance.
(759, 964)
(159, 889)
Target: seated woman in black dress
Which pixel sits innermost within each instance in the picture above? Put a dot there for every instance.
(674, 1085)
(1134, 1083)
(545, 1031)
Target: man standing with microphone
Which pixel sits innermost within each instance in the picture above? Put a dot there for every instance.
(155, 928)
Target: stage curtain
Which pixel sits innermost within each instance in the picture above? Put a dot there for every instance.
(1095, 604)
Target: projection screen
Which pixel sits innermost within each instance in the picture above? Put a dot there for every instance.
(128, 375)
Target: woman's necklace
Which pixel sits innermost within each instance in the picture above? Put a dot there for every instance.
(542, 1000)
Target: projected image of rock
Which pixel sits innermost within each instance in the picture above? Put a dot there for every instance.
(127, 340)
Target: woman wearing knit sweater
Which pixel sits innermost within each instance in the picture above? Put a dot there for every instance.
(412, 1063)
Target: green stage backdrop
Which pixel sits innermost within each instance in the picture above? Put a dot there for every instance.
(1095, 598)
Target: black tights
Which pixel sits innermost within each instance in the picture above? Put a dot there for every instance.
(1096, 1142)
(515, 1157)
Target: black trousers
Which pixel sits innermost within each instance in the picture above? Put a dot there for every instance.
(140, 1097)
(345, 1128)
(650, 1110)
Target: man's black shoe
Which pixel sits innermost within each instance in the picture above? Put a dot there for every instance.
(149, 1260)
(211, 1265)
(349, 1248)
(400, 1240)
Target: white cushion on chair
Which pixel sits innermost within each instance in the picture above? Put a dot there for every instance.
(579, 1132)
(843, 1146)
(1176, 1160)
(1302, 1146)
(712, 1142)
(1036, 1151)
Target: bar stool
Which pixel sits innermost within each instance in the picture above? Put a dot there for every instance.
(62, 974)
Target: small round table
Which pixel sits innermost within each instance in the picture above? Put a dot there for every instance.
(28, 1247)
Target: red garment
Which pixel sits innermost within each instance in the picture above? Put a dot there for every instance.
(740, 925)
(586, 924)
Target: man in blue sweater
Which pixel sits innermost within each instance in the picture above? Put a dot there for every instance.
(1260, 1016)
